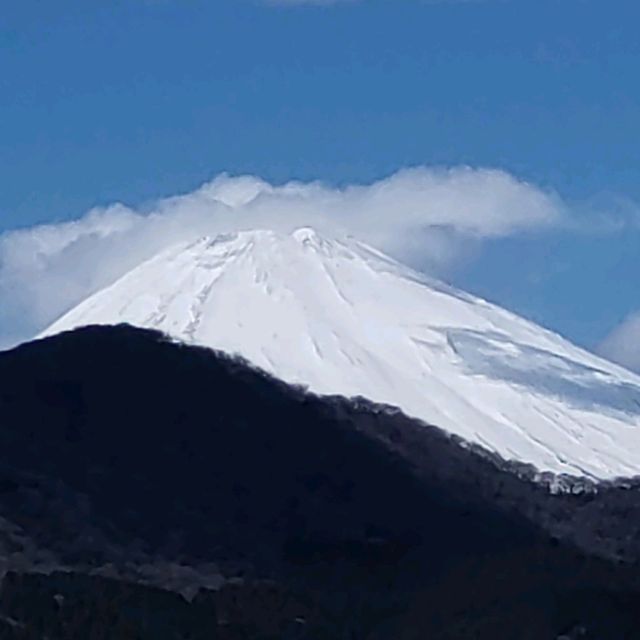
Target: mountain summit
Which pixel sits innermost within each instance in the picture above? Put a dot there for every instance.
(343, 318)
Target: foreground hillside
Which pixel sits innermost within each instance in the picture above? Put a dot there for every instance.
(193, 496)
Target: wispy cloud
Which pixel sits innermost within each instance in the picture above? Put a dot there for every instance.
(622, 345)
(423, 215)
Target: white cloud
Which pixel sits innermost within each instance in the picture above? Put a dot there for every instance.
(423, 215)
(622, 345)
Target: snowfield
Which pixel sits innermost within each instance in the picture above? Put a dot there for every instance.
(342, 318)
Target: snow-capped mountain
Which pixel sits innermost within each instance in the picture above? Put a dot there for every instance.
(342, 318)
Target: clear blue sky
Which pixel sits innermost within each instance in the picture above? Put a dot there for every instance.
(129, 100)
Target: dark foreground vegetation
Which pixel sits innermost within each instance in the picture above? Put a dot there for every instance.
(152, 490)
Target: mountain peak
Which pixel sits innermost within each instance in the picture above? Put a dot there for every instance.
(342, 318)
(309, 237)
(266, 239)
(305, 234)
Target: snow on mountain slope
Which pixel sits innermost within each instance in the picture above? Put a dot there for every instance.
(342, 318)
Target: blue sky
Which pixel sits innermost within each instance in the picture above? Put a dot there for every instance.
(133, 100)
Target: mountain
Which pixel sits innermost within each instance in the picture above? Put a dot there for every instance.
(341, 318)
(133, 467)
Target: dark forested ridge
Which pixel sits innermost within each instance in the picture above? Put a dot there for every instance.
(277, 514)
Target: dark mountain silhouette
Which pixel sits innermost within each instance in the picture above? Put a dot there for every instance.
(131, 458)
